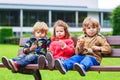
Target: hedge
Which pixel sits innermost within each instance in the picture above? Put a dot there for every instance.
(5, 32)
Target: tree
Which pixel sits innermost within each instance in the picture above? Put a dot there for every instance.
(116, 20)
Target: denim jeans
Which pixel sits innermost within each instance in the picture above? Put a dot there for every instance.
(26, 59)
(86, 61)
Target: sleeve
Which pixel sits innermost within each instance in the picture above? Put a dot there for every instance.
(77, 49)
(105, 47)
(69, 49)
(26, 48)
(41, 46)
(48, 42)
(37, 50)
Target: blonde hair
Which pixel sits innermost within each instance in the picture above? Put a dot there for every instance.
(62, 24)
(40, 26)
(90, 20)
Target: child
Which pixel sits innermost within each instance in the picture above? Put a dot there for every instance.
(34, 47)
(61, 47)
(89, 49)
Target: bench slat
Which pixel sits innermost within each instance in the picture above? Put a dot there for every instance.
(1, 65)
(32, 66)
(113, 40)
(22, 41)
(20, 51)
(115, 53)
(104, 68)
(93, 68)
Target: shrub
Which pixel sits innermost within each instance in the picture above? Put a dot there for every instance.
(76, 34)
(106, 33)
(4, 33)
(116, 20)
(12, 40)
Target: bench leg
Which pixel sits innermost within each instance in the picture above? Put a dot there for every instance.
(37, 75)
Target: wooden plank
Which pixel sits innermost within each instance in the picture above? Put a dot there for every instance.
(104, 68)
(113, 40)
(20, 51)
(115, 53)
(32, 66)
(92, 68)
(74, 40)
(22, 41)
(1, 65)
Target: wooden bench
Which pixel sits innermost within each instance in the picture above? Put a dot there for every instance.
(33, 69)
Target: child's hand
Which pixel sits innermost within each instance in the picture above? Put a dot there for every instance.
(48, 50)
(33, 47)
(96, 48)
(80, 43)
(62, 43)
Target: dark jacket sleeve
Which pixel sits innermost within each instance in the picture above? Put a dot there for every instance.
(27, 46)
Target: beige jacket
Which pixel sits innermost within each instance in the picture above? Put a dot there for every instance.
(98, 40)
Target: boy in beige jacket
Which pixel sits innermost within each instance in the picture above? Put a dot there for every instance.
(89, 49)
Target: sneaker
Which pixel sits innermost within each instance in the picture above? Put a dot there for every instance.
(79, 68)
(59, 66)
(5, 61)
(14, 65)
(41, 62)
(50, 60)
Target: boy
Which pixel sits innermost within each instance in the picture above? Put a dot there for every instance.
(36, 46)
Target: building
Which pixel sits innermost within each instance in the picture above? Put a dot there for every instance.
(22, 14)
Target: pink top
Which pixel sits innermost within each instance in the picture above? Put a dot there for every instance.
(57, 50)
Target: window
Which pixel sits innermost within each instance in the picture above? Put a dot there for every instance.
(9, 18)
(30, 17)
(106, 20)
(66, 16)
(81, 17)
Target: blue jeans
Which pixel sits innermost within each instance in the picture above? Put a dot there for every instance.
(26, 59)
(86, 61)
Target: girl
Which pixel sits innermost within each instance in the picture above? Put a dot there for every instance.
(61, 47)
(36, 46)
(89, 49)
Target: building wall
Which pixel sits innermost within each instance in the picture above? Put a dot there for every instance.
(84, 3)
(30, 11)
(94, 14)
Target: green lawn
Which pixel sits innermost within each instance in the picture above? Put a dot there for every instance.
(10, 51)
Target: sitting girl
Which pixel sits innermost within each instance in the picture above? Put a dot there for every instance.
(61, 47)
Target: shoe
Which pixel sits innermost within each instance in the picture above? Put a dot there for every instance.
(50, 60)
(79, 68)
(41, 62)
(14, 66)
(5, 61)
(59, 66)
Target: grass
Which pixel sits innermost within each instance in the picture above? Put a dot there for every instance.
(10, 51)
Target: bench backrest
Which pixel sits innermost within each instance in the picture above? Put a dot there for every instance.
(112, 40)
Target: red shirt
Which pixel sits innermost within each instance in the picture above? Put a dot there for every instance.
(57, 50)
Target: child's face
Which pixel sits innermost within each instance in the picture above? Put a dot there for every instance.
(39, 34)
(59, 32)
(91, 30)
